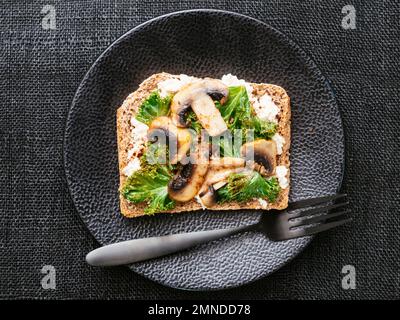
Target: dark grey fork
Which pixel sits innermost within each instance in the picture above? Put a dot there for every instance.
(290, 223)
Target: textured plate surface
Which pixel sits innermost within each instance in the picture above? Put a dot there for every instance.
(202, 43)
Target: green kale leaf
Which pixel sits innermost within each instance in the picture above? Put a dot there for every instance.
(154, 106)
(242, 122)
(261, 129)
(230, 143)
(237, 109)
(249, 185)
(150, 184)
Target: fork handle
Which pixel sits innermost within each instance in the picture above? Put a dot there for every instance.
(147, 248)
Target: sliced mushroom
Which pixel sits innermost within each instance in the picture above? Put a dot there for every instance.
(219, 185)
(200, 96)
(227, 162)
(208, 115)
(208, 197)
(216, 175)
(261, 154)
(179, 140)
(184, 143)
(187, 182)
(215, 179)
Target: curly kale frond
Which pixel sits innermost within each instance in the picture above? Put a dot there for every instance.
(150, 184)
(237, 109)
(154, 106)
(249, 185)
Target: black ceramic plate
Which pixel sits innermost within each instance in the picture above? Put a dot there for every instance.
(201, 43)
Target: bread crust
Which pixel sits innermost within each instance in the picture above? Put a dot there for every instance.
(130, 107)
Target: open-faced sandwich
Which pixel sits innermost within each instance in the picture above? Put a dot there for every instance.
(187, 143)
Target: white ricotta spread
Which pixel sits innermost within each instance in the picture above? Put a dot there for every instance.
(233, 81)
(139, 131)
(281, 172)
(265, 108)
(280, 141)
(138, 141)
(130, 153)
(139, 128)
(173, 85)
(263, 203)
(132, 166)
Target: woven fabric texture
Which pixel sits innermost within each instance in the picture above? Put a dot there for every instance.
(40, 70)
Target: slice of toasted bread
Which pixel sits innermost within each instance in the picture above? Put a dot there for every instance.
(130, 107)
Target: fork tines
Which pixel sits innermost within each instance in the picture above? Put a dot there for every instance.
(315, 201)
(314, 220)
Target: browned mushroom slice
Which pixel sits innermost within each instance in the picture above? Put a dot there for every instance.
(227, 162)
(184, 142)
(199, 97)
(214, 180)
(208, 115)
(216, 175)
(261, 152)
(187, 182)
(162, 130)
(220, 184)
(208, 197)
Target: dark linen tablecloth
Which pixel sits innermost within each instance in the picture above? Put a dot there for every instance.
(40, 69)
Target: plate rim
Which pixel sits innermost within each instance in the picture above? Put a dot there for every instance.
(315, 70)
